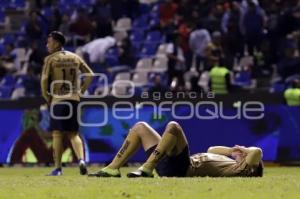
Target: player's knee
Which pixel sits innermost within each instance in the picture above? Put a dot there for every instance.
(141, 125)
(258, 153)
(173, 127)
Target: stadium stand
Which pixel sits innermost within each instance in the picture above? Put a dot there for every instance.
(260, 56)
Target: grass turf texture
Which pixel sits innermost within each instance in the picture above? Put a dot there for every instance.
(21, 183)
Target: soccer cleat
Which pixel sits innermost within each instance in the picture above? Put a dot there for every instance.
(82, 168)
(106, 173)
(55, 172)
(140, 173)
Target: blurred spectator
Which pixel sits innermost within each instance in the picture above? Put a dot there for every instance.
(289, 64)
(232, 39)
(253, 24)
(176, 64)
(198, 42)
(215, 48)
(220, 80)
(7, 59)
(81, 26)
(55, 20)
(34, 27)
(32, 84)
(125, 53)
(292, 95)
(167, 12)
(101, 16)
(97, 48)
(36, 58)
(158, 86)
(195, 86)
(213, 21)
(65, 27)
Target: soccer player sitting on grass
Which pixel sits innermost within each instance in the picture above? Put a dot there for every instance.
(169, 155)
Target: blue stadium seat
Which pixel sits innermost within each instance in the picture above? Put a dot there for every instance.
(8, 39)
(278, 87)
(154, 36)
(47, 12)
(2, 49)
(243, 78)
(136, 47)
(17, 4)
(7, 80)
(2, 16)
(5, 92)
(145, 8)
(112, 56)
(137, 36)
(148, 50)
(4, 4)
(154, 22)
(111, 60)
(141, 22)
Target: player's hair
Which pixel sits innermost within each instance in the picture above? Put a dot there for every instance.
(259, 170)
(58, 36)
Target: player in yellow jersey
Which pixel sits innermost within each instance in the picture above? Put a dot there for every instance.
(61, 89)
(169, 155)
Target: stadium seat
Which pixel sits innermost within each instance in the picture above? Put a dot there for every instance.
(112, 56)
(140, 79)
(162, 50)
(277, 87)
(8, 39)
(137, 36)
(243, 78)
(141, 22)
(154, 37)
(155, 22)
(121, 89)
(123, 76)
(17, 4)
(144, 64)
(18, 92)
(204, 80)
(145, 8)
(5, 92)
(7, 80)
(123, 24)
(160, 65)
(47, 12)
(2, 16)
(148, 50)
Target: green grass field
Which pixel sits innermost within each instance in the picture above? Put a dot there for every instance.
(21, 183)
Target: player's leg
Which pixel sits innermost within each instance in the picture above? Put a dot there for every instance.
(78, 148)
(172, 144)
(141, 134)
(57, 152)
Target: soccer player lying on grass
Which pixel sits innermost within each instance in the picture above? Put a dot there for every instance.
(169, 155)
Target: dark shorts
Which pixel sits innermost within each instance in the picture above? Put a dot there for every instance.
(172, 166)
(64, 110)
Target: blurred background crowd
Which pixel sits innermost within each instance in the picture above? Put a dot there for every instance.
(223, 46)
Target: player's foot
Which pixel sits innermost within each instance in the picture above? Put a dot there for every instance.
(140, 172)
(106, 172)
(82, 168)
(55, 172)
